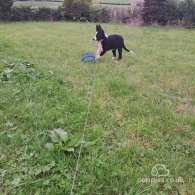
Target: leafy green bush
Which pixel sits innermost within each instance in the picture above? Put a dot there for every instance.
(5, 9)
(169, 11)
(22, 14)
(74, 10)
(29, 14)
(22, 72)
(47, 14)
(100, 15)
(186, 12)
(83, 19)
(60, 140)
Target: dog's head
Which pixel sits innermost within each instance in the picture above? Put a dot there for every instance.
(100, 35)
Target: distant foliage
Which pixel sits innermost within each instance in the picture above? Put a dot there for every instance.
(22, 14)
(47, 14)
(169, 11)
(100, 15)
(158, 12)
(5, 10)
(152, 11)
(119, 14)
(186, 12)
(75, 10)
(39, 14)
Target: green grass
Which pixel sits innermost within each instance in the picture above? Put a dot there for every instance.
(142, 110)
(112, 1)
(57, 4)
(37, 4)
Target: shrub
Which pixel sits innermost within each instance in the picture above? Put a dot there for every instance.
(21, 14)
(187, 12)
(83, 19)
(29, 14)
(74, 10)
(99, 15)
(56, 14)
(151, 11)
(5, 10)
(44, 14)
(169, 11)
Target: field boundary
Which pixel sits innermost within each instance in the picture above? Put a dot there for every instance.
(114, 3)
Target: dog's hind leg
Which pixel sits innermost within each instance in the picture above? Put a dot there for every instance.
(120, 53)
(114, 54)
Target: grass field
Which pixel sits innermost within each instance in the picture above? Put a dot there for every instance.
(141, 113)
(112, 1)
(37, 4)
(57, 4)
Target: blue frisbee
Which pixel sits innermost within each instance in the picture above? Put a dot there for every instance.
(88, 57)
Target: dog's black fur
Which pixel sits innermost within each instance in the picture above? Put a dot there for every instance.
(112, 42)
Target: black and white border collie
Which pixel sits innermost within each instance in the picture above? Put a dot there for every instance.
(106, 43)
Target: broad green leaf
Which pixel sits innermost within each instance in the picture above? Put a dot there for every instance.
(22, 68)
(16, 181)
(8, 70)
(11, 65)
(88, 144)
(70, 149)
(9, 124)
(2, 172)
(54, 137)
(49, 146)
(28, 65)
(62, 134)
(74, 141)
(4, 77)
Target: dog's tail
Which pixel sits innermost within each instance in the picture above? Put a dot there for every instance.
(127, 49)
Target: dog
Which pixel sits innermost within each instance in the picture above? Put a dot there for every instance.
(106, 43)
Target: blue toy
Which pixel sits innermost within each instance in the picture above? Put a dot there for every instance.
(88, 57)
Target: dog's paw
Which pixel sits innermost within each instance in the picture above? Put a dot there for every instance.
(113, 58)
(98, 57)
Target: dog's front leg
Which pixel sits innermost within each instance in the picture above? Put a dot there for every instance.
(99, 50)
(98, 54)
(102, 53)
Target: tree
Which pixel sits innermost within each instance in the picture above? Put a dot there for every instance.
(152, 11)
(168, 12)
(76, 9)
(186, 12)
(5, 9)
(163, 11)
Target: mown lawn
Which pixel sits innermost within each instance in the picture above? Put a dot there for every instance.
(112, 1)
(54, 4)
(141, 113)
(36, 4)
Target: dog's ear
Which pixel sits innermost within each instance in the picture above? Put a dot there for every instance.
(98, 27)
(101, 29)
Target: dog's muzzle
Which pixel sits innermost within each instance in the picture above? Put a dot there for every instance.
(94, 38)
